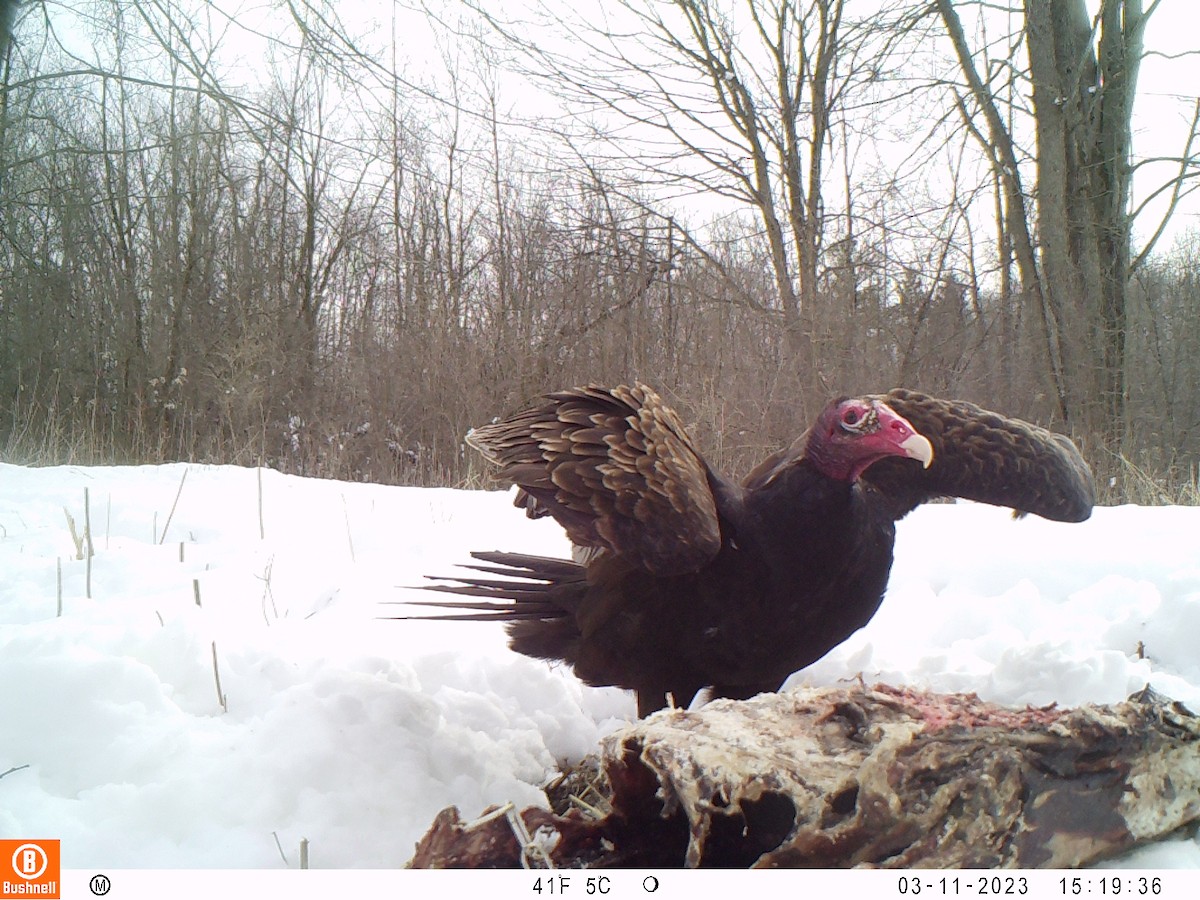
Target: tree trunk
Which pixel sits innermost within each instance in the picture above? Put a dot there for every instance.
(1019, 217)
(1083, 99)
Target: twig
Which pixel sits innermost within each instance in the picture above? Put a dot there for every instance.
(75, 538)
(498, 812)
(593, 811)
(221, 698)
(14, 769)
(262, 529)
(87, 521)
(529, 847)
(304, 853)
(171, 514)
(196, 591)
(283, 856)
(265, 578)
(87, 534)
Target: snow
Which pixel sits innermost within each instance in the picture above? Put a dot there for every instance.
(352, 731)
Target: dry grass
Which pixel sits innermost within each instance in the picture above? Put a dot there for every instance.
(1131, 482)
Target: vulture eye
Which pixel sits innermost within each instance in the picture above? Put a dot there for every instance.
(851, 419)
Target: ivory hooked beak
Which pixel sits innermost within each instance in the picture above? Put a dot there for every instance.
(917, 446)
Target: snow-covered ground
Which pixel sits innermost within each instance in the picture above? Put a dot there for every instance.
(353, 731)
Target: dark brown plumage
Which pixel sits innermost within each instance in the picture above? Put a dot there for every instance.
(686, 580)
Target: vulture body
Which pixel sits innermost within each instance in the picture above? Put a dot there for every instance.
(684, 580)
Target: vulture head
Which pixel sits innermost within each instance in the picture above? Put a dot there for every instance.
(851, 434)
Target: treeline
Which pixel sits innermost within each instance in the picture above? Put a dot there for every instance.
(335, 282)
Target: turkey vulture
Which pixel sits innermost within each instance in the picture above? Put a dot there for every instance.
(684, 579)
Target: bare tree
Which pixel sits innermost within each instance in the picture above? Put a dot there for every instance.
(1072, 245)
(720, 102)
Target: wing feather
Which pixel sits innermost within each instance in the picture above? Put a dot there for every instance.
(616, 468)
(984, 456)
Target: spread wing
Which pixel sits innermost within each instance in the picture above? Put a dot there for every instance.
(616, 469)
(981, 455)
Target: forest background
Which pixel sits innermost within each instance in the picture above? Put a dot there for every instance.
(332, 237)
